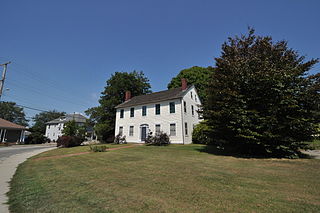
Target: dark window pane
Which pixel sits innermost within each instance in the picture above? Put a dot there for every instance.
(131, 112)
(157, 109)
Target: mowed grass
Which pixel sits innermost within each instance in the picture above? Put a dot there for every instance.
(175, 178)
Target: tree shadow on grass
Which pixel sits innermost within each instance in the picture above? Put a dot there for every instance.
(211, 149)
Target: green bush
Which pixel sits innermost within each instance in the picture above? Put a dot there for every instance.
(199, 135)
(119, 139)
(98, 148)
(36, 138)
(160, 139)
(68, 141)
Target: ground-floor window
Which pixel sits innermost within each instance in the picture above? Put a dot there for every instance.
(121, 130)
(186, 128)
(172, 129)
(131, 131)
(158, 128)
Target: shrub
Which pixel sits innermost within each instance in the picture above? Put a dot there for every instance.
(119, 139)
(98, 148)
(68, 141)
(160, 139)
(36, 138)
(199, 135)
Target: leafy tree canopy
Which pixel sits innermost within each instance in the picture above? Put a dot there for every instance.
(198, 76)
(11, 112)
(260, 98)
(42, 118)
(114, 94)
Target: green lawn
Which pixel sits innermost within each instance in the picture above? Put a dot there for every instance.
(175, 178)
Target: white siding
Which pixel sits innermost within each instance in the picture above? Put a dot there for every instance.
(188, 118)
(151, 119)
(53, 131)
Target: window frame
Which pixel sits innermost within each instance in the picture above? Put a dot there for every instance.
(172, 104)
(175, 129)
(120, 132)
(131, 128)
(186, 128)
(121, 113)
(155, 128)
(185, 106)
(132, 112)
(157, 111)
(144, 111)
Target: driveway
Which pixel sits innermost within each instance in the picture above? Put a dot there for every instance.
(10, 158)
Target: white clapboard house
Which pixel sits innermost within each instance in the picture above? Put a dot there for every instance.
(54, 128)
(173, 111)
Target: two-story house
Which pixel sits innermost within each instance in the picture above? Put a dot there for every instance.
(173, 111)
(54, 128)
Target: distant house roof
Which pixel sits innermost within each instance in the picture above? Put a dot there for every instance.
(78, 118)
(4, 124)
(154, 97)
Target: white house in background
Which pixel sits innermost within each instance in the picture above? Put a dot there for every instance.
(54, 128)
(173, 111)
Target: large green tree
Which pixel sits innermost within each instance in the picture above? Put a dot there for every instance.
(11, 112)
(114, 93)
(261, 99)
(198, 76)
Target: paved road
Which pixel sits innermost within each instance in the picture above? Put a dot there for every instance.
(10, 158)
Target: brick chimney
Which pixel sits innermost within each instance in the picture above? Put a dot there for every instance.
(184, 84)
(128, 95)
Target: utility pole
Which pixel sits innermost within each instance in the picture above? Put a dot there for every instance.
(3, 77)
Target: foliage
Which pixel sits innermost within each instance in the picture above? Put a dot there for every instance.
(71, 128)
(159, 139)
(260, 99)
(199, 134)
(114, 93)
(11, 112)
(68, 141)
(98, 148)
(198, 76)
(42, 118)
(36, 138)
(119, 139)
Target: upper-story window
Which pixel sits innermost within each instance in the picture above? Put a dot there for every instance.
(195, 98)
(157, 109)
(132, 112)
(186, 128)
(121, 113)
(48, 126)
(172, 107)
(192, 110)
(185, 106)
(191, 95)
(144, 110)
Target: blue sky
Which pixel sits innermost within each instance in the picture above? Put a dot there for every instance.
(64, 51)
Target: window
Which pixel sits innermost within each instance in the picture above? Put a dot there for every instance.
(172, 129)
(131, 112)
(157, 109)
(144, 110)
(120, 130)
(131, 131)
(172, 107)
(122, 113)
(48, 126)
(158, 128)
(192, 110)
(191, 95)
(185, 106)
(195, 98)
(186, 128)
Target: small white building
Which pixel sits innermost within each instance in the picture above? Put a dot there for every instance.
(54, 128)
(173, 111)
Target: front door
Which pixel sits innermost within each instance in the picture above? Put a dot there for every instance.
(143, 133)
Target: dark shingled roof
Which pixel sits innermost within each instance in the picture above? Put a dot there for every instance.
(154, 97)
(4, 124)
(78, 118)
